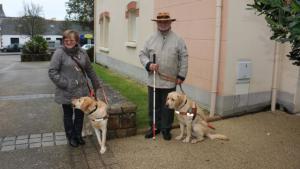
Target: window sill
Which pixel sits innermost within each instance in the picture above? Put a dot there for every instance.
(130, 44)
(104, 49)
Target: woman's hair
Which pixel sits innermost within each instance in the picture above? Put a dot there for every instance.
(68, 33)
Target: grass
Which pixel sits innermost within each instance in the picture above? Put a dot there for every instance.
(131, 89)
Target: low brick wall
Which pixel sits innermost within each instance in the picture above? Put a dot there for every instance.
(122, 120)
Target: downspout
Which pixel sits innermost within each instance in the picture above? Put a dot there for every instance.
(275, 76)
(216, 58)
(95, 28)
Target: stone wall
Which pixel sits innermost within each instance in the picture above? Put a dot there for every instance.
(122, 120)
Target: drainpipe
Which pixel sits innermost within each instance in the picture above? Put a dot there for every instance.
(214, 86)
(95, 28)
(275, 76)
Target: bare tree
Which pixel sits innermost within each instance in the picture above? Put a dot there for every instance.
(32, 23)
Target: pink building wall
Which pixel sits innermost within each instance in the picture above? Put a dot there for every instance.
(195, 23)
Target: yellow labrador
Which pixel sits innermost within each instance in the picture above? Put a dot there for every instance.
(96, 111)
(193, 119)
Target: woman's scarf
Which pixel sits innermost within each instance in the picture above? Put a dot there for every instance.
(72, 51)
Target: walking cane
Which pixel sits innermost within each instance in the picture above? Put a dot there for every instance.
(153, 126)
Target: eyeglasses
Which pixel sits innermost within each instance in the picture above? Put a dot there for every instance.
(69, 40)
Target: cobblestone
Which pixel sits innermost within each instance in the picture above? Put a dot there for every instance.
(35, 135)
(21, 146)
(11, 143)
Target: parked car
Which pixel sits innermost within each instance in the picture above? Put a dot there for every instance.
(87, 46)
(52, 45)
(12, 48)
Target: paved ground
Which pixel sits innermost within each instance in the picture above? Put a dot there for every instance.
(31, 135)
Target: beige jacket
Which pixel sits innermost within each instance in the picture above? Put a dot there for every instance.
(171, 56)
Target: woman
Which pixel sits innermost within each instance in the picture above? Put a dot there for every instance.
(66, 72)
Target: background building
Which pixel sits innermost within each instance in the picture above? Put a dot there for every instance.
(9, 27)
(231, 56)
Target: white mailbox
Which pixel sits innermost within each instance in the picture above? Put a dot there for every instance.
(244, 70)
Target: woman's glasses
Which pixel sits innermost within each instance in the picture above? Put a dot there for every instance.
(69, 41)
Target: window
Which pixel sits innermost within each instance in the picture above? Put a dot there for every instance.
(14, 40)
(104, 31)
(60, 40)
(131, 14)
(132, 26)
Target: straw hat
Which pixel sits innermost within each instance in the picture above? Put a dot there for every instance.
(163, 16)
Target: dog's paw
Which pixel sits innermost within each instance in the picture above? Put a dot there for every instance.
(86, 134)
(197, 140)
(180, 137)
(89, 133)
(187, 140)
(102, 150)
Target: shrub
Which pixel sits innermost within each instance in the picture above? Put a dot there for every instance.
(36, 49)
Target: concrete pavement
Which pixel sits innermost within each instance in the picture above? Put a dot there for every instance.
(31, 135)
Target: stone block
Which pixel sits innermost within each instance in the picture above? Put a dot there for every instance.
(35, 145)
(61, 142)
(47, 134)
(9, 138)
(127, 120)
(8, 148)
(114, 109)
(35, 135)
(113, 122)
(24, 141)
(21, 146)
(8, 143)
(35, 140)
(131, 131)
(128, 107)
(22, 137)
(47, 144)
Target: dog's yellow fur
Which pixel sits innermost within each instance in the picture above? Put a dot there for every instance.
(196, 128)
(87, 105)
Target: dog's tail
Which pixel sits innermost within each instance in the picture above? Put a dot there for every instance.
(217, 136)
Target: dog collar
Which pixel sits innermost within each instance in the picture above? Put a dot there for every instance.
(183, 104)
(93, 110)
(100, 119)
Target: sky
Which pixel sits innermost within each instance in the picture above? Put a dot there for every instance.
(51, 8)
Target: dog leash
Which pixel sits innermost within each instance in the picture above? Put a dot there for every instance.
(91, 92)
(171, 79)
(104, 95)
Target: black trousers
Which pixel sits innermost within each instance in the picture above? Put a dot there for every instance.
(73, 127)
(164, 116)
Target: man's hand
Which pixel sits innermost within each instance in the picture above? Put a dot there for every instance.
(153, 67)
(179, 81)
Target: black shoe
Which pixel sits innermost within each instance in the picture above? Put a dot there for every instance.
(166, 135)
(80, 141)
(149, 133)
(73, 143)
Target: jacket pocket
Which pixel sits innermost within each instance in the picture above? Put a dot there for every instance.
(72, 84)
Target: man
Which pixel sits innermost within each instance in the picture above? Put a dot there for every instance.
(171, 69)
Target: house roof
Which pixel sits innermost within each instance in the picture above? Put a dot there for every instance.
(9, 26)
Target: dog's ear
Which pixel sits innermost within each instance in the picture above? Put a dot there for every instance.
(177, 99)
(86, 104)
